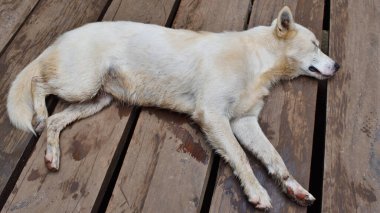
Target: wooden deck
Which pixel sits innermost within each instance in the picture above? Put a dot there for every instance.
(135, 159)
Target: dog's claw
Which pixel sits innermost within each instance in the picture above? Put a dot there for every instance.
(307, 200)
(295, 191)
(261, 200)
(263, 206)
(50, 163)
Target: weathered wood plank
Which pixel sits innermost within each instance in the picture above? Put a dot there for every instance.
(155, 12)
(12, 15)
(287, 120)
(88, 155)
(49, 19)
(352, 150)
(87, 148)
(167, 164)
(166, 160)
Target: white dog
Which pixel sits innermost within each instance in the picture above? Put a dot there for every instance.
(219, 79)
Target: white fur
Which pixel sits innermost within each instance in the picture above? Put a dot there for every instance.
(220, 79)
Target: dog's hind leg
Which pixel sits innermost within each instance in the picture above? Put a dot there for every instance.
(57, 122)
(40, 89)
(218, 131)
(250, 135)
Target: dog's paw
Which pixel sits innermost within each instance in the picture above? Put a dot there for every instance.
(296, 192)
(260, 199)
(52, 159)
(39, 124)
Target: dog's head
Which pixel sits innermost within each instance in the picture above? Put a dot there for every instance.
(302, 46)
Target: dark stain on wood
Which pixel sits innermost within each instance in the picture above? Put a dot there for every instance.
(229, 187)
(75, 196)
(366, 193)
(34, 175)
(74, 186)
(189, 145)
(123, 110)
(237, 199)
(83, 191)
(195, 200)
(78, 149)
(69, 187)
(368, 127)
(195, 150)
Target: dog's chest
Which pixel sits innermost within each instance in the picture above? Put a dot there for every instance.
(251, 99)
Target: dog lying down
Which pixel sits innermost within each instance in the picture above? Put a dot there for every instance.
(220, 79)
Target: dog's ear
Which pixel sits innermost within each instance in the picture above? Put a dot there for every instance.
(285, 22)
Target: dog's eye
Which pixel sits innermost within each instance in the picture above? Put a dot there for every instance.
(316, 46)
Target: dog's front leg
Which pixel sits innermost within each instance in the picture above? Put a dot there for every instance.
(250, 135)
(219, 133)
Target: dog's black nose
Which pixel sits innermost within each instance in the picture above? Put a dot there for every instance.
(336, 67)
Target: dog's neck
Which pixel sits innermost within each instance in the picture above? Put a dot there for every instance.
(268, 60)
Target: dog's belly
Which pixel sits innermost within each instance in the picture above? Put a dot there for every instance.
(141, 88)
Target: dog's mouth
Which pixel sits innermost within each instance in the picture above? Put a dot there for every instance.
(315, 70)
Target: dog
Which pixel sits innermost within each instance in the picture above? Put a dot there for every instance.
(220, 79)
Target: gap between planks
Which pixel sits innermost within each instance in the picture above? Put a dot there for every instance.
(318, 153)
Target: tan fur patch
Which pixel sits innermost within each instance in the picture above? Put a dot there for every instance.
(253, 95)
(233, 59)
(284, 35)
(285, 68)
(49, 65)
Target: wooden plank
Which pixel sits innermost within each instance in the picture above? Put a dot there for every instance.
(89, 152)
(12, 15)
(50, 19)
(167, 164)
(87, 148)
(352, 150)
(155, 12)
(166, 160)
(287, 120)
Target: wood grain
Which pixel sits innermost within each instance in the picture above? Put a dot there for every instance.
(167, 164)
(12, 14)
(49, 19)
(287, 120)
(352, 150)
(87, 149)
(212, 15)
(153, 11)
(166, 161)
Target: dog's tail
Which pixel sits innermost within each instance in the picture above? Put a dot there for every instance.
(20, 103)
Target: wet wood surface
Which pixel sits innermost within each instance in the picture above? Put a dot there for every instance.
(287, 120)
(35, 35)
(12, 16)
(168, 159)
(352, 152)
